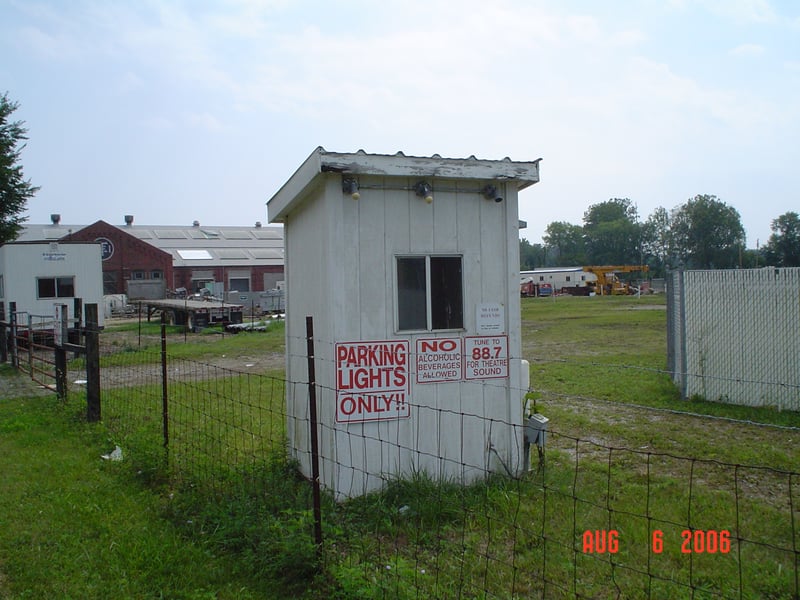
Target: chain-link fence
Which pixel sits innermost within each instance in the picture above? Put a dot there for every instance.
(734, 336)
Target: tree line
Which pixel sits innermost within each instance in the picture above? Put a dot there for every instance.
(702, 233)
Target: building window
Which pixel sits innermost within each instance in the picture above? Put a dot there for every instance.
(541, 277)
(55, 287)
(430, 293)
(239, 284)
(568, 278)
(109, 282)
(156, 274)
(1, 287)
(137, 275)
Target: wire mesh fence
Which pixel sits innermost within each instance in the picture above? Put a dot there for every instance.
(590, 519)
(734, 335)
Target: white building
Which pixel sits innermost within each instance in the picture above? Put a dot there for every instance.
(560, 277)
(409, 267)
(39, 275)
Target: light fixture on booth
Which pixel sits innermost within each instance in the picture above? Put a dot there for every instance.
(424, 190)
(489, 192)
(350, 186)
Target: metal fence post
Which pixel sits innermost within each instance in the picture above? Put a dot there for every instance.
(682, 332)
(3, 334)
(12, 309)
(164, 395)
(312, 403)
(30, 345)
(3, 342)
(92, 364)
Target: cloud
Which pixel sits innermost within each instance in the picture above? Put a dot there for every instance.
(129, 82)
(204, 121)
(49, 46)
(748, 50)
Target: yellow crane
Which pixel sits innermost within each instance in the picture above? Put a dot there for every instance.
(608, 281)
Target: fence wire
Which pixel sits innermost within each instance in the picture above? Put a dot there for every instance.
(734, 335)
(591, 519)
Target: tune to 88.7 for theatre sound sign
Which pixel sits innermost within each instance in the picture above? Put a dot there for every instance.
(372, 381)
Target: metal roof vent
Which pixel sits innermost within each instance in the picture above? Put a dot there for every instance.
(128, 220)
(195, 223)
(55, 218)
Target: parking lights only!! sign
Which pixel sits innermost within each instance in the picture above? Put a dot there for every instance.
(372, 381)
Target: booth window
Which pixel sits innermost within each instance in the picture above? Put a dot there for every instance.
(429, 293)
(55, 287)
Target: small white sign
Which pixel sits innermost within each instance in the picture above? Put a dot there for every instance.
(486, 357)
(60, 325)
(490, 317)
(439, 359)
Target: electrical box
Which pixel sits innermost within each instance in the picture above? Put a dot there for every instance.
(535, 429)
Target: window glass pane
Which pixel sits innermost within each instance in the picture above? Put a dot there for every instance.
(46, 288)
(447, 306)
(239, 285)
(66, 287)
(411, 290)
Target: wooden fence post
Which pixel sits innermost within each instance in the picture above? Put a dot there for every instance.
(92, 341)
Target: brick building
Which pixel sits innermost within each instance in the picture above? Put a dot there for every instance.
(149, 261)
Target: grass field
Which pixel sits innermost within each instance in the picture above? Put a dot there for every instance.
(622, 455)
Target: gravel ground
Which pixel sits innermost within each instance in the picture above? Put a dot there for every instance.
(20, 386)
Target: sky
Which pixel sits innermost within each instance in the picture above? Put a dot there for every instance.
(175, 111)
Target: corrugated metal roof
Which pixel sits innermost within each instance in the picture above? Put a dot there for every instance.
(321, 161)
(223, 245)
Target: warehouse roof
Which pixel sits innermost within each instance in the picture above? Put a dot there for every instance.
(193, 245)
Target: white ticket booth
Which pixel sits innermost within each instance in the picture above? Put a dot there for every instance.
(409, 267)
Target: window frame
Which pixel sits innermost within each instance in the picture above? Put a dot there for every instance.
(429, 310)
(57, 285)
(231, 287)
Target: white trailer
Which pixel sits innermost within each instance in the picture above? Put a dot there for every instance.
(558, 278)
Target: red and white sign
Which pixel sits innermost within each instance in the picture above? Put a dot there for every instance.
(439, 359)
(372, 381)
(486, 357)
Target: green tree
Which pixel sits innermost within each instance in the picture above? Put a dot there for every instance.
(531, 256)
(707, 234)
(564, 243)
(612, 233)
(15, 191)
(656, 241)
(783, 247)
